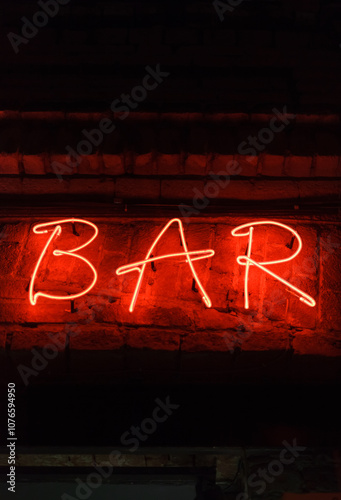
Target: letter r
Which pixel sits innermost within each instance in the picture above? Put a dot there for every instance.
(246, 260)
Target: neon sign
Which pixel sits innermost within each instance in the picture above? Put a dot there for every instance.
(141, 265)
(245, 260)
(38, 229)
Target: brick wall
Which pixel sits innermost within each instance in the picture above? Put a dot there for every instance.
(169, 157)
(171, 329)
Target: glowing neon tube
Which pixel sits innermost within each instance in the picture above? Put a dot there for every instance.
(245, 260)
(38, 229)
(141, 265)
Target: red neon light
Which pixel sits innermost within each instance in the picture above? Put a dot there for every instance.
(245, 260)
(141, 265)
(55, 233)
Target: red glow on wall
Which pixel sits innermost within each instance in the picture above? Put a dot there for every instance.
(56, 232)
(250, 230)
(140, 266)
(246, 260)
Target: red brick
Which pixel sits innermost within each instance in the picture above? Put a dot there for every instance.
(206, 341)
(169, 164)
(150, 313)
(105, 339)
(271, 165)
(153, 339)
(260, 190)
(211, 319)
(9, 164)
(330, 243)
(113, 164)
(298, 166)
(248, 165)
(181, 190)
(327, 166)
(137, 188)
(38, 187)
(306, 342)
(10, 254)
(9, 115)
(16, 232)
(145, 164)
(34, 164)
(89, 165)
(330, 310)
(48, 116)
(11, 287)
(319, 188)
(57, 164)
(195, 165)
(10, 186)
(313, 119)
(306, 264)
(255, 339)
(91, 186)
(72, 116)
(139, 117)
(26, 339)
(232, 117)
(219, 163)
(45, 311)
(3, 336)
(299, 314)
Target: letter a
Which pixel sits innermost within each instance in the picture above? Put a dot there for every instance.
(141, 265)
(245, 260)
(55, 233)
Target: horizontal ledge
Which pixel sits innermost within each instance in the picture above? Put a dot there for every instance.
(323, 211)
